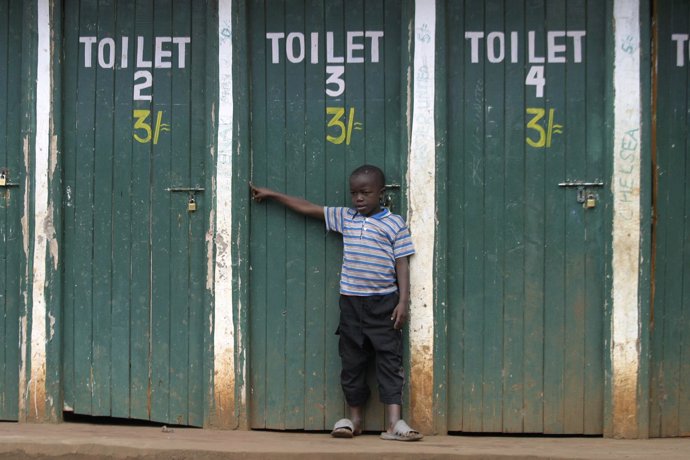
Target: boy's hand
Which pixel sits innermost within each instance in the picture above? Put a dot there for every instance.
(259, 193)
(399, 316)
(295, 203)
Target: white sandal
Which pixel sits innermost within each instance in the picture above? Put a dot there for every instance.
(402, 432)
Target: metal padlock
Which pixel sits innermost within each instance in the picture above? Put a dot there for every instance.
(591, 201)
(191, 204)
(3, 179)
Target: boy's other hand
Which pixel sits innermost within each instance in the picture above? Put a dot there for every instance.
(399, 316)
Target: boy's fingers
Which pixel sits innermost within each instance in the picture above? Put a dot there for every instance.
(399, 319)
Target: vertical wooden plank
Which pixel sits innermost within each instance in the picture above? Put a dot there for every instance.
(140, 328)
(70, 84)
(102, 219)
(161, 223)
(83, 202)
(671, 340)
(14, 211)
(659, 248)
(514, 307)
(456, 206)
(259, 60)
(676, 331)
(5, 373)
(664, 140)
(680, 345)
(373, 88)
(535, 239)
(575, 226)
(353, 97)
(474, 182)
(683, 318)
(388, 99)
(595, 61)
(494, 223)
(10, 206)
(317, 336)
(122, 217)
(181, 304)
(557, 201)
(674, 175)
(442, 361)
(277, 112)
(295, 242)
(198, 121)
(672, 165)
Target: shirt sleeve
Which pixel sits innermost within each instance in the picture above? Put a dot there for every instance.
(334, 218)
(402, 246)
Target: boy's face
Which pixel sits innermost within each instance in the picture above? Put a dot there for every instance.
(366, 193)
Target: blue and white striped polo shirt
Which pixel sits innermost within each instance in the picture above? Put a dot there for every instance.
(370, 247)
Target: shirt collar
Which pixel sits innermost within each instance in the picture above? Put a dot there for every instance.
(378, 216)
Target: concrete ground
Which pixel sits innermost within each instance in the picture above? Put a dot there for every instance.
(88, 441)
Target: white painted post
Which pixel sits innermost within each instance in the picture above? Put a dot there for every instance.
(32, 400)
(224, 326)
(625, 185)
(421, 179)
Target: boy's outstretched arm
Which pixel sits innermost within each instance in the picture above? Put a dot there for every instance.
(402, 270)
(295, 203)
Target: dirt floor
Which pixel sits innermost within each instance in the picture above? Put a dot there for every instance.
(88, 441)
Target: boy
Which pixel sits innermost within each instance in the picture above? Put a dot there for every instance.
(374, 296)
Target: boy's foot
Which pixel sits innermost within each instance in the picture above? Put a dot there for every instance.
(344, 428)
(402, 432)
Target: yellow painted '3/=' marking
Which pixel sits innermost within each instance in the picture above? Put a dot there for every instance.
(336, 120)
(141, 115)
(544, 136)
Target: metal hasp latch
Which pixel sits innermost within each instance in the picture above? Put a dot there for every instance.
(5, 178)
(191, 202)
(586, 197)
(387, 197)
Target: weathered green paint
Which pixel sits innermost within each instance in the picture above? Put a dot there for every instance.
(443, 201)
(670, 360)
(524, 260)
(294, 362)
(11, 203)
(134, 268)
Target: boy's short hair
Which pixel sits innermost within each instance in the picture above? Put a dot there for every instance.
(371, 169)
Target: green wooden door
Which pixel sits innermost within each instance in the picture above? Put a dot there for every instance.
(11, 202)
(319, 108)
(670, 370)
(135, 117)
(525, 112)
